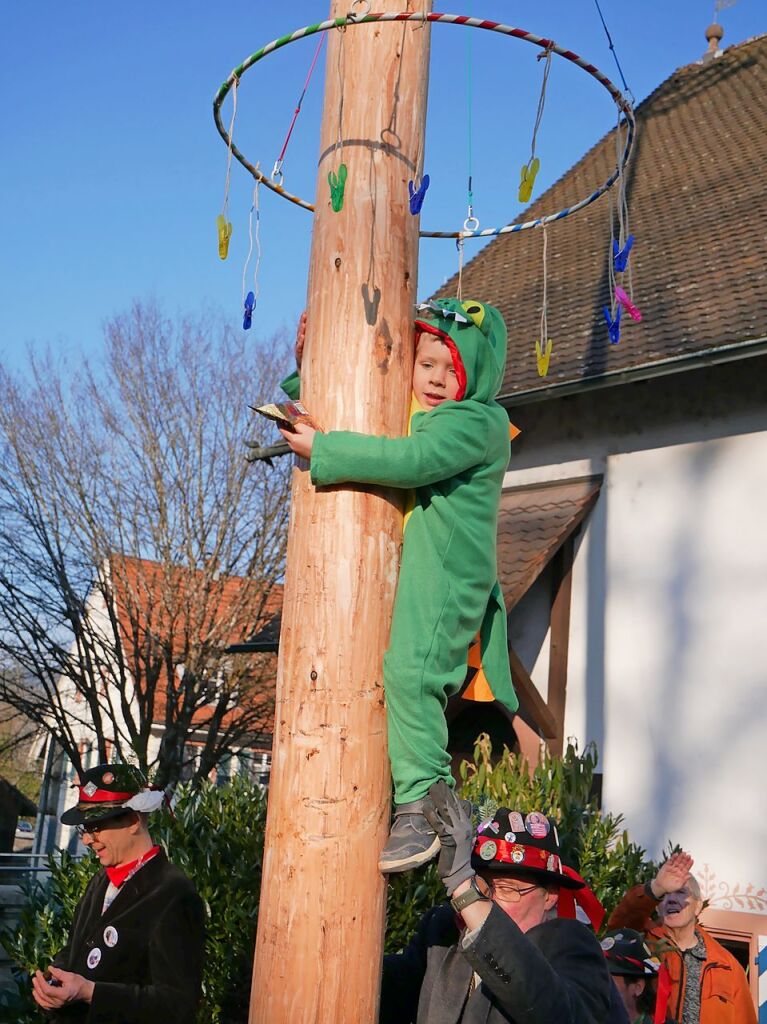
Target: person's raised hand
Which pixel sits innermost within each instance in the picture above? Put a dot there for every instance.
(451, 820)
(672, 875)
(64, 987)
(300, 439)
(300, 339)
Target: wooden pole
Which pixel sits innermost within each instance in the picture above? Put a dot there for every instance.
(321, 919)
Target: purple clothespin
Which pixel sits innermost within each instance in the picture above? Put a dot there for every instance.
(621, 256)
(247, 319)
(613, 326)
(417, 195)
(627, 304)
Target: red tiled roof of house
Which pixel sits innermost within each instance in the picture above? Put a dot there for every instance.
(191, 608)
(695, 192)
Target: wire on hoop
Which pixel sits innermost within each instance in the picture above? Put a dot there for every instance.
(530, 169)
(544, 344)
(250, 300)
(277, 169)
(223, 225)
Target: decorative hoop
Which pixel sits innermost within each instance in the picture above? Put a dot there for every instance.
(620, 99)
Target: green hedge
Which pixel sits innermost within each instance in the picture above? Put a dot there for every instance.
(216, 837)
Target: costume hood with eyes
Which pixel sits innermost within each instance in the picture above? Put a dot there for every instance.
(454, 460)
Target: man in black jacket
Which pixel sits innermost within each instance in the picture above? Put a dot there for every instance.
(498, 953)
(135, 950)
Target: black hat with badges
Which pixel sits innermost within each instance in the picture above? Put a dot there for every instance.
(109, 790)
(627, 954)
(521, 844)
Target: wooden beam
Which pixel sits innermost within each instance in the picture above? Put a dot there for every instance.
(527, 689)
(321, 918)
(560, 640)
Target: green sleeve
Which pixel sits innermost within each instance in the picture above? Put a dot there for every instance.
(292, 385)
(444, 443)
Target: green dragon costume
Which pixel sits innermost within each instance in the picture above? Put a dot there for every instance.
(454, 460)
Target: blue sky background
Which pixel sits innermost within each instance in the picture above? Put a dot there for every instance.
(112, 172)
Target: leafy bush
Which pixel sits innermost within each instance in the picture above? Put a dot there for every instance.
(217, 834)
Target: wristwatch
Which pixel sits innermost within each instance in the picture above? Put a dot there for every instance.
(472, 895)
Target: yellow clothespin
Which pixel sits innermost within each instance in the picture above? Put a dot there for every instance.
(224, 234)
(527, 179)
(542, 357)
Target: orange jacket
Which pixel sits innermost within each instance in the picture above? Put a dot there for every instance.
(725, 997)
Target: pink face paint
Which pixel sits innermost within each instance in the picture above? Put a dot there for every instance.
(627, 304)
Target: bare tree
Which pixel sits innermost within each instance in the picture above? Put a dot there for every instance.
(136, 542)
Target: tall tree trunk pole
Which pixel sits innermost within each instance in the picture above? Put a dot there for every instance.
(321, 919)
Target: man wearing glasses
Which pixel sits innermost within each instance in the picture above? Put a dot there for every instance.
(135, 950)
(498, 953)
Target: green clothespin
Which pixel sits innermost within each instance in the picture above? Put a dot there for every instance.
(337, 183)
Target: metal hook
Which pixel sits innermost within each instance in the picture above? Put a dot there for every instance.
(471, 224)
(352, 14)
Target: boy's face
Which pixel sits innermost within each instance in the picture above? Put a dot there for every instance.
(434, 376)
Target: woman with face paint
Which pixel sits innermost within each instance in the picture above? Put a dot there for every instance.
(708, 985)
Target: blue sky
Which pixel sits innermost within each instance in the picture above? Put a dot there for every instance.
(112, 172)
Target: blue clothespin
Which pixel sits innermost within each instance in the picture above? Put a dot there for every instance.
(621, 256)
(247, 319)
(417, 195)
(613, 326)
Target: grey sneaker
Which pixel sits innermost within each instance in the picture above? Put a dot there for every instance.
(412, 841)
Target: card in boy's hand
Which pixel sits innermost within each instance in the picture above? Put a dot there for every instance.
(286, 414)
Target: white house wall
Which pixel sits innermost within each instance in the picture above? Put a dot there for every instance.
(668, 632)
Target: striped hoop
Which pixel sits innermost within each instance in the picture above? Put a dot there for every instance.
(621, 101)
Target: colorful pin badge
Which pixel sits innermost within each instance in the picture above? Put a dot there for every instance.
(627, 304)
(337, 184)
(527, 179)
(613, 326)
(94, 958)
(417, 195)
(518, 855)
(110, 936)
(494, 827)
(107, 778)
(247, 317)
(621, 256)
(510, 837)
(224, 234)
(537, 825)
(607, 943)
(516, 821)
(488, 850)
(542, 357)
(89, 789)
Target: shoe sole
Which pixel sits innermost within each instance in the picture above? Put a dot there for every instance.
(392, 867)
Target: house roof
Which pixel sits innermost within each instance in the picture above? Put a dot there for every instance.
(699, 261)
(533, 523)
(177, 603)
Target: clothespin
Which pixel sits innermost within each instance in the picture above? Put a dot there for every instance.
(224, 234)
(613, 326)
(417, 195)
(527, 179)
(247, 318)
(542, 357)
(621, 256)
(337, 183)
(627, 304)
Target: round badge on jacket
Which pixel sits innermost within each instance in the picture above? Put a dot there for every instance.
(110, 936)
(94, 958)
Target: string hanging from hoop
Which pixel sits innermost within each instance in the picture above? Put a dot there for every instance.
(530, 170)
(277, 169)
(250, 300)
(223, 225)
(544, 344)
(337, 181)
(618, 256)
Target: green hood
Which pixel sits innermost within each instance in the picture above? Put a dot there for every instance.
(477, 333)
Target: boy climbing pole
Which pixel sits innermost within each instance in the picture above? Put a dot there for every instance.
(452, 462)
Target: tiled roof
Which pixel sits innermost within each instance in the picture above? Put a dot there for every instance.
(533, 523)
(695, 191)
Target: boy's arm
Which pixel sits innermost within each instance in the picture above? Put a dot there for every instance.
(444, 443)
(292, 385)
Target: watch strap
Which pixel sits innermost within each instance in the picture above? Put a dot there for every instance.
(472, 895)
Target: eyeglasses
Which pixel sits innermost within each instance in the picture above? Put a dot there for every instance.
(92, 828)
(504, 892)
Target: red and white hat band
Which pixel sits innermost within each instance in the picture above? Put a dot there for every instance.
(516, 854)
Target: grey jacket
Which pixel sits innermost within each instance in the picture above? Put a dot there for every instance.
(553, 974)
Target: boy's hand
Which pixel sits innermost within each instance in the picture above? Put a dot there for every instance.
(300, 439)
(300, 339)
(451, 820)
